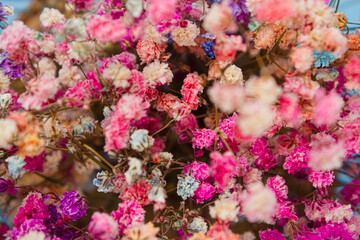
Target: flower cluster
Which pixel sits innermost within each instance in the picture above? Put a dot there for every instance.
(169, 119)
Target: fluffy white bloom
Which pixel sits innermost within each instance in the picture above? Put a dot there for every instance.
(225, 209)
(219, 19)
(47, 67)
(82, 50)
(157, 194)
(51, 17)
(5, 100)
(186, 36)
(33, 235)
(197, 225)
(232, 75)
(69, 75)
(117, 74)
(134, 171)
(47, 45)
(157, 73)
(264, 89)
(259, 203)
(228, 98)
(139, 140)
(152, 34)
(8, 131)
(77, 28)
(255, 118)
(4, 82)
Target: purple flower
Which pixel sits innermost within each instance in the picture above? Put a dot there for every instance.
(72, 205)
(10, 68)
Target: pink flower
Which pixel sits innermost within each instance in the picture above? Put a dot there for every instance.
(278, 186)
(205, 191)
(103, 227)
(289, 108)
(83, 91)
(335, 41)
(351, 192)
(274, 10)
(137, 83)
(327, 108)
(173, 106)
(38, 92)
(16, 44)
(200, 171)
(352, 72)
(203, 138)
(297, 160)
(102, 28)
(128, 215)
(138, 191)
(33, 207)
(161, 10)
(185, 127)
(302, 58)
(149, 50)
(190, 89)
(269, 234)
(223, 168)
(321, 179)
(117, 133)
(132, 107)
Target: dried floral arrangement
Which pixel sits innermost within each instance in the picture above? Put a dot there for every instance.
(181, 119)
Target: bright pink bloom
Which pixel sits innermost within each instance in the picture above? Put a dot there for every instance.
(16, 40)
(190, 90)
(203, 138)
(161, 10)
(327, 108)
(321, 179)
(132, 107)
(297, 160)
(173, 106)
(102, 28)
(117, 133)
(185, 127)
(271, 235)
(103, 227)
(83, 91)
(128, 215)
(223, 168)
(352, 72)
(33, 207)
(200, 171)
(205, 191)
(278, 186)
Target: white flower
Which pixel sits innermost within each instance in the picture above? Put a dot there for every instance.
(139, 140)
(152, 34)
(135, 170)
(8, 131)
(157, 194)
(259, 203)
(82, 50)
(263, 88)
(117, 74)
(157, 73)
(255, 118)
(51, 17)
(185, 36)
(197, 225)
(47, 67)
(33, 235)
(5, 100)
(69, 75)
(225, 209)
(232, 75)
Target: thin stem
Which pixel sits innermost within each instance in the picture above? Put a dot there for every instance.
(57, 148)
(167, 125)
(99, 156)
